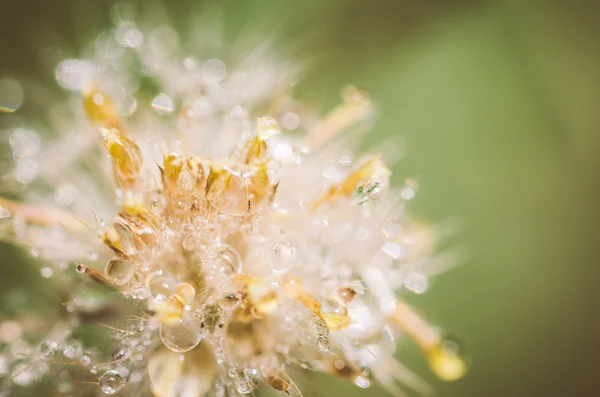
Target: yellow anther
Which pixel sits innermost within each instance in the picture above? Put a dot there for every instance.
(125, 155)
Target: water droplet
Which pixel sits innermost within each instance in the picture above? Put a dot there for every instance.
(47, 348)
(214, 70)
(227, 261)
(163, 104)
(448, 359)
(74, 74)
(266, 127)
(416, 282)
(290, 121)
(47, 272)
(323, 343)
(26, 170)
(111, 382)
(73, 349)
(333, 307)
(409, 190)
(320, 327)
(185, 293)
(282, 257)
(244, 387)
(23, 374)
(182, 336)
(11, 95)
(91, 256)
(127, 35)
(228, 302)
(4, 213)
(251, 373)
(120, 271)
(393, 249)
(362, 381)
(162, 286)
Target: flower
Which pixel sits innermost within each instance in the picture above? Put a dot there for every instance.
(243, 249)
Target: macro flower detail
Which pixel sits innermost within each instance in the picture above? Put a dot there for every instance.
(235, 250)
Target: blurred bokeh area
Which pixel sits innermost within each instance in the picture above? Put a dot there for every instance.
(497, 107)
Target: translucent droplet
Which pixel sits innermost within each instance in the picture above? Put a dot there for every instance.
(47, 348)
(11, 95)
(120, 271)
(181, 375)
(244, 387)
(185, 293)
(214, 70)
(111, 382)
(24, 143)
(162, 286)
(227, 261)
(323, 343)
(127, 35)
(320, 327)
(73, 350)
(416, 282)
(3, 365)
(346, 294)
(266, 127)
(23, 374)
(362, 381)
(282, 257)
(409, 190)
(290, 121)
(26, 170)
(182, 336)
(125, 237)
(228, 302)
(74, 74)
(393, 249)
(163, 104)
(4, 213)
(333, 307)
(47, 272)
(448, 359)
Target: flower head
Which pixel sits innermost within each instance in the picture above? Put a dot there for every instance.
(249, 235)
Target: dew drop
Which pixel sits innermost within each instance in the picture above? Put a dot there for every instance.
(73, 350)
(448, 359)
(74, 74)
(162, 286)
(4, 213)
(244, 387)
(266, 127)
(127, 35)
(227, 261)
(111, 382)
(185, 293)
(163, 104)
(11, 95)
(362, 381)
(416, 282)
(333, 307)
(182, 336)
(323, 343)
(214, 70)
(282, 257)
(120, 271)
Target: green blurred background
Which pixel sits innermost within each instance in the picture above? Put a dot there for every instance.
(499, 102)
